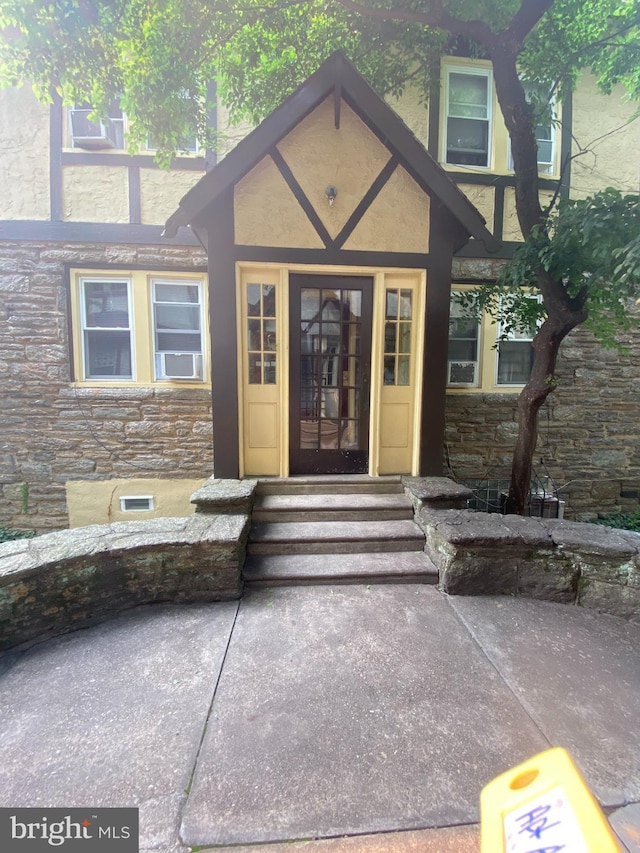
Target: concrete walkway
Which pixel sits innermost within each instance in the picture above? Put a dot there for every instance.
(370, 716)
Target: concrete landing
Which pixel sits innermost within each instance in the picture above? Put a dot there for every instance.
(365, 717)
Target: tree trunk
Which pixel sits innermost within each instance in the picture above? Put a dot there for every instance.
(546, 345)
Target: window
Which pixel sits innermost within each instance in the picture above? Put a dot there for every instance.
(188, 145)
(468, 117)
(138, 327)
(463, 356)
(397, 337)
(94, 135)
(515, 356)
(545, 139)
(478, 360)
(177, 329)
(106, 335)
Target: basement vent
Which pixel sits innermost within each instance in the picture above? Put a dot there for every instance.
(136, 503)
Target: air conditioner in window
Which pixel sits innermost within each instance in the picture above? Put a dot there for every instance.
(92, 134)
(462, 372)
(178, 365)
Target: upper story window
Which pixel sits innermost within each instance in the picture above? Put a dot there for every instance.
(138, 327)
(95, 135)
(468, 97)
(545, 140)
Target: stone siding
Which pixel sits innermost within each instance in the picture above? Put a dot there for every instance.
(588, 436)
(53, 431)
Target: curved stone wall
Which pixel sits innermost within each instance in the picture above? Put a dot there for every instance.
(73, 578)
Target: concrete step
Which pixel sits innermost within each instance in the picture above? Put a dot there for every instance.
(335, 537)
(330, 484)
(332, 507)
(313, 569)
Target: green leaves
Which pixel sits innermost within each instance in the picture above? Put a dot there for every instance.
(591, 247)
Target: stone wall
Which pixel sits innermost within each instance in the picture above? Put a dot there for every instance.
(52, 431)
(564, 561)
(73, 578)
(588, 437)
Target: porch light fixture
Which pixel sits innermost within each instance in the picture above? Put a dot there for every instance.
(331, 193)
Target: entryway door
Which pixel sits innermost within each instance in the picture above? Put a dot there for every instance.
(330, 373)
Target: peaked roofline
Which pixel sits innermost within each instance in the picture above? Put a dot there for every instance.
(336, 74)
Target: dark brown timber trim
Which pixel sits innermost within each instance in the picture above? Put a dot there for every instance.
(224, 352)
(301, 198)
(92, 232)
(55, 161)
(366, 202)
(284, 255)
(434, 382)
(145, 161)
(135, 209)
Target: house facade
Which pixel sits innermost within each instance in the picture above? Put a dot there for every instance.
(309, 298)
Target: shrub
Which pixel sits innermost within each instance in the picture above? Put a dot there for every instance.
(622, 520)
(7, 535)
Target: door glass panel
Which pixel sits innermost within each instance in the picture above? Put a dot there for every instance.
(330, 369)
(349, 434)
(261, 334)
(404, 344)
(397, 337)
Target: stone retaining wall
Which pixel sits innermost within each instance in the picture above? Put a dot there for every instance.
(565, 561)
(73, 578)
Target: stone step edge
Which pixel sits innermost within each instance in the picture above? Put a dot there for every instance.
(287, 516)
(364, 546)
(322, 566)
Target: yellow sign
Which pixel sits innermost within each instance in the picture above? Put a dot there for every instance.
(543, 806)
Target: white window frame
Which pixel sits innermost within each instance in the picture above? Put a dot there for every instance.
(477, 361)
(544, 167)
(96, 279)
(515, 336)
(198, 355)
(471, 72)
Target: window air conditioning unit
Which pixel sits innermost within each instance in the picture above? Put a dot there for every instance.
(178, 365)
(90, 134)
(462, 372)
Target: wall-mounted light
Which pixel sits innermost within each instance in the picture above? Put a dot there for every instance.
(331, 193)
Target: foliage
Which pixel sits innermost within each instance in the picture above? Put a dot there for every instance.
(621, 520)
(593, 246)
(8, 535)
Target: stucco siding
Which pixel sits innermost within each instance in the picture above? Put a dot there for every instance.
(161, 191)
(398, 219)
(320, 156)
(95, 194)
(604, 128)
(24, 155)
(268, 214)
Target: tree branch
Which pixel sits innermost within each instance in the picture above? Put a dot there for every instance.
(436, 17)
(525, 20)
